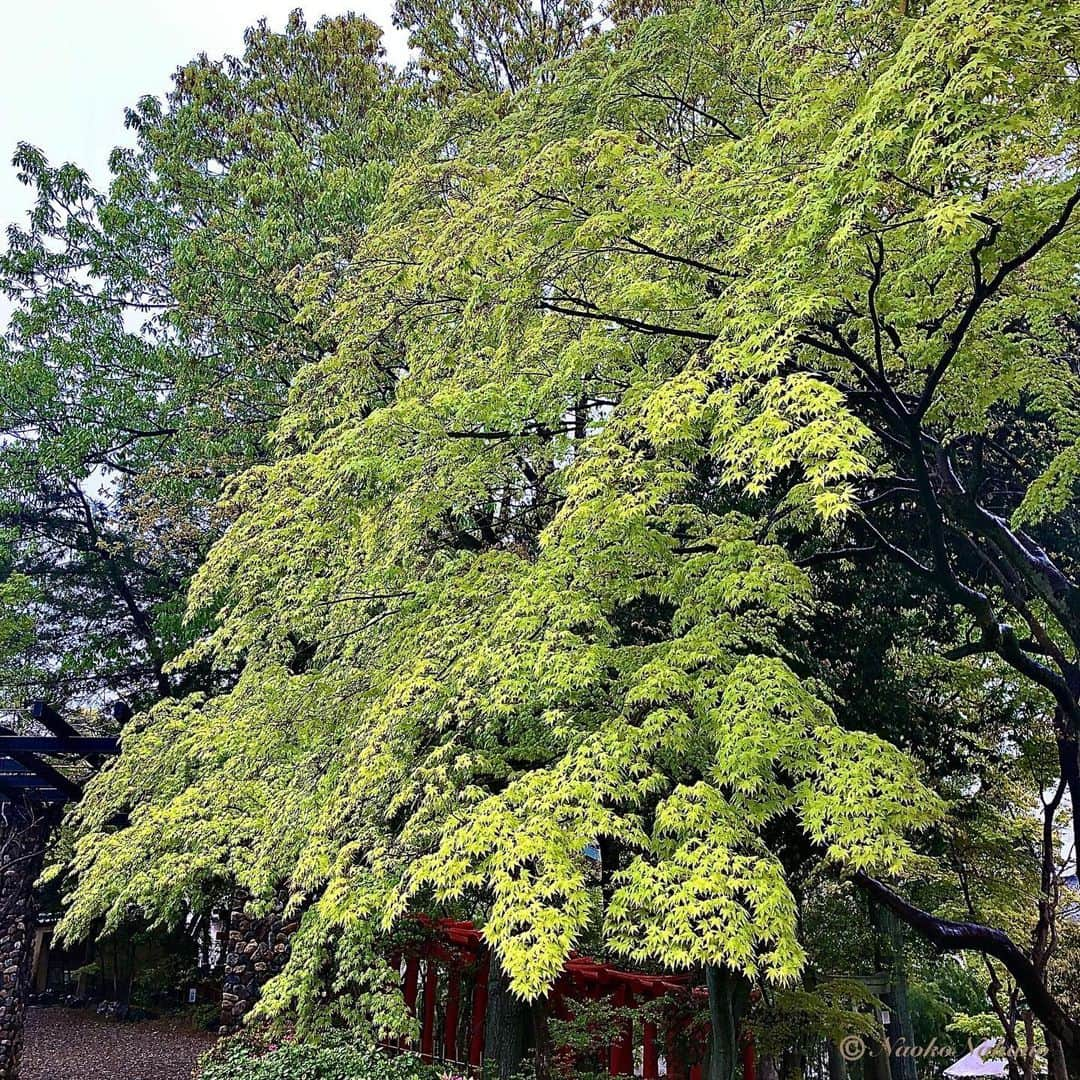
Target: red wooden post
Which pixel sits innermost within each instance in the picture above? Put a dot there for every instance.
(749, 1057)
(622, 1048)
(427, 1030)
(613, 1050)
(479, 1013)
(649, 1055)
(408, 988)
(412, 975)
(453, 1007)
(675, 1069)
(696, 1071)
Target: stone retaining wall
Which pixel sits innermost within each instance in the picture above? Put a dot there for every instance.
(258, 948)
(24, 833)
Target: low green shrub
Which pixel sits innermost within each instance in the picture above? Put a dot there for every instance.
(245, 1058)
(206, 1017)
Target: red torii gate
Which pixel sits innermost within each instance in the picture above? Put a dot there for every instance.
(455, 948)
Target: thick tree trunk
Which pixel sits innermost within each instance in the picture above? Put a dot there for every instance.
(729, 996)
(1055, 1059)
(1071, 1060)
(900, 1028)
(767, 1068)
(891, 959)
(837, 1064)
(791, 1065)
(879, 1065)
(505, 1042)
(543, 1047)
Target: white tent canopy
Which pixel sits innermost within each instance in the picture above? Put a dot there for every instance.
(975, 1063)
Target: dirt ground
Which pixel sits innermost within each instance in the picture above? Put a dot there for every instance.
(72, 1044)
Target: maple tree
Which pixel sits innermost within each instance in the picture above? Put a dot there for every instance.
(660, 351)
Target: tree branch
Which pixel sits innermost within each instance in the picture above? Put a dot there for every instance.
(950, 936)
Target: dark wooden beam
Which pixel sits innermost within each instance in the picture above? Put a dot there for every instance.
(10, 765)
(50, 719)
(31, 777)
(58, 780)
(42, 769)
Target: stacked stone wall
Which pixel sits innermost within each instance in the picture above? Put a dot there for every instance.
(24, 833)
(258, 948)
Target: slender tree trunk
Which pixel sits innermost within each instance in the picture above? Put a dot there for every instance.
(543, 1048)
(90, 955)
(837, 1064)
(729, 996)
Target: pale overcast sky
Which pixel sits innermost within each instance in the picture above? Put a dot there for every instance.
(69, 67)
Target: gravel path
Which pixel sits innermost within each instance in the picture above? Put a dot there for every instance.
(72, 1044)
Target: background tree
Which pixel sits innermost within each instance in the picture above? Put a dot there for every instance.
(478, 48)
(151, 348)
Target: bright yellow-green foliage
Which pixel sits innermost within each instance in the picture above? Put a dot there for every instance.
(514, 513)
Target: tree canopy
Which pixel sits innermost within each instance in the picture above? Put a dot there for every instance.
(663, 435)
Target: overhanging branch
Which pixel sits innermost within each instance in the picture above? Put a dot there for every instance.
(950, 936)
